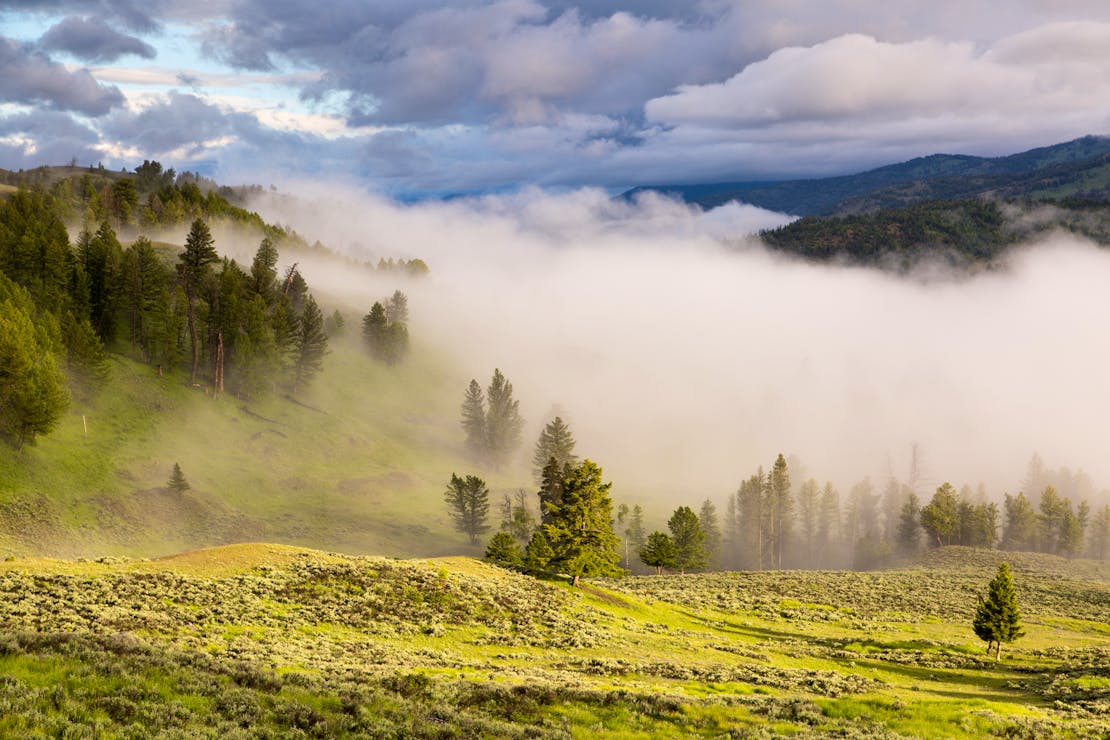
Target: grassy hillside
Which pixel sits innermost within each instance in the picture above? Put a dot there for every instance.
(357, 462)
(266, 640)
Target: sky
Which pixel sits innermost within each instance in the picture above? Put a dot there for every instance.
(420, 98)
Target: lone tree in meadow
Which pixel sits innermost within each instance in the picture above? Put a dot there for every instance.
(177, 482)
(997, 619)
(468, 501)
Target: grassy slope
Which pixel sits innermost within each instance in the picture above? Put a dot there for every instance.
(254, 638)
(359, 467)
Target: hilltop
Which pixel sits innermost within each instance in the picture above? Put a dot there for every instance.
(1073, 169)
(248, 639)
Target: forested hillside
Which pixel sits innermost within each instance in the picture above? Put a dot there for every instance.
(969, 233)
(1073, 169)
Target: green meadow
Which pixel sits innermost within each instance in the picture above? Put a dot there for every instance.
(257, 640)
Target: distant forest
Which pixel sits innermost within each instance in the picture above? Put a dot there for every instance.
(64, 305)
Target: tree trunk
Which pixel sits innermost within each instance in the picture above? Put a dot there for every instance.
(193, 336)
(998, 651)
(575, 581)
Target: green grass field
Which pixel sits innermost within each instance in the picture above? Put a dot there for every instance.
(269, 640)
(358, 463)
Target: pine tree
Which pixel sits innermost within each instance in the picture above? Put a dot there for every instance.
(503, 548)
(310, 345)
(689, 539)
(781, 508)
(474, 419)
(909, 525)
(997, 619)
(580, 531)
(177, 482)
(808, 503)
(555, 441)
(707, 517)
(1021, 526)
(941, 516)
(538, 553)
(658, 552)
(194, 261)
(503, 421)
(397, 308)
(468, 503)
(264, 272)
(375, 327)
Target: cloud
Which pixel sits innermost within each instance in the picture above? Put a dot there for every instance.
(683, 362)
(32, 77)
(92, 40)
(45, 137)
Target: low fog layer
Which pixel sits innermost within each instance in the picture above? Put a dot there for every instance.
(685, 356)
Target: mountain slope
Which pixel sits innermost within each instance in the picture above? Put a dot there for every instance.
(1079, 167)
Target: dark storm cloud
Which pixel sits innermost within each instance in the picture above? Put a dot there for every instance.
(137, 15)
(31, 77)
(92, 40)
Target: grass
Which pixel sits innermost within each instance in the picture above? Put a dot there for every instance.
(358, 462)
(259, 638)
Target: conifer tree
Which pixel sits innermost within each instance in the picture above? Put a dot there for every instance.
(503, 548)
(941, 516)
(538, 553)
(555, 441)
(1021, 525)
(707, 518)
(503, 421)
(658, 552)
(468, 503)
(263, 281)
(997, 619)
(177, 482)
(689, 539)
(580, 531)
(909, 525)
(781, 506)
(310, 344)
(194, 261)
(474, 419)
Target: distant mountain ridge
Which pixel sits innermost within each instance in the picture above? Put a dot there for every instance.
(1077, 168)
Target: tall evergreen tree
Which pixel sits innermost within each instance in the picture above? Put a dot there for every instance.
(997, 619)
(503, 421)
(397, 308)
(474, 419)
(941, 516)
(829, 525)
(809, 496)
(581, 528)
(1051, 519)
(468, 503)
(33, 394)
(198, 255)
(1098, 543)
(1020, 529)
(634, 534)
(909, 525)
(264, 272)
(551, 489)
(555, 441)
(310, 346)
(689, 539)
(781, 507)
(144, 280)
(707, 517)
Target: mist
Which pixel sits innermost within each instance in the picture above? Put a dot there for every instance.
(684, 355)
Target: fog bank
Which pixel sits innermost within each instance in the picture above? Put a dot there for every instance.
(685, 356)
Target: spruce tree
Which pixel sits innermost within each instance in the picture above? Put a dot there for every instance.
(177, 482)
(555, 441)
(310, 344)
(707, 518)
(580, 531)
(538, 553)
(468, 503)
(474, 419)
(503, 421)
(658, 552)
(194, 261)
(997, 619)
(689, 539)
(375, 328)
(503, 548)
